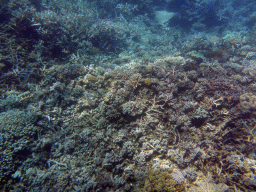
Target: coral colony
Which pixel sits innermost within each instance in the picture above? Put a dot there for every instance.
(123, 95)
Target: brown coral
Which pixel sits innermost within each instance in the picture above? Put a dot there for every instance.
(248, 101)
(161, 180)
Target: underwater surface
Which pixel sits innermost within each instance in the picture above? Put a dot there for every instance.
(128, 95)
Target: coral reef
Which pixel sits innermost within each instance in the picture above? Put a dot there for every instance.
(102, 96)
(118, 125)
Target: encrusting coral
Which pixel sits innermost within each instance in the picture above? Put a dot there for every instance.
(248, 101)
(161, 180)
